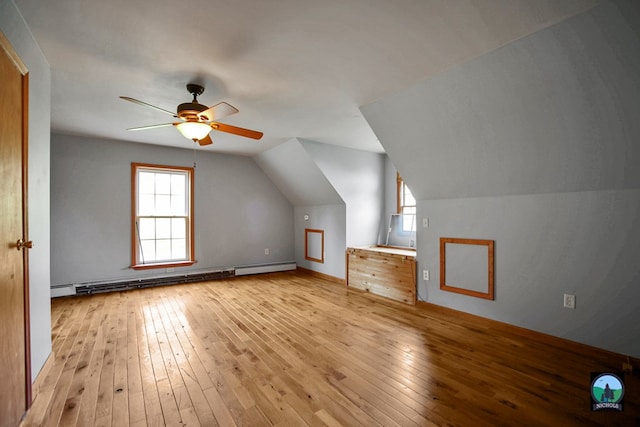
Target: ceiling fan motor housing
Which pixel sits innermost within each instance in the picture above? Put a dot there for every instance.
(190, 110)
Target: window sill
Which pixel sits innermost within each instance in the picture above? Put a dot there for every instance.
(162, 265)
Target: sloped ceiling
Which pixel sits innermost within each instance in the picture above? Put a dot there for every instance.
(297, 175)
(294, 69)
(555, 111)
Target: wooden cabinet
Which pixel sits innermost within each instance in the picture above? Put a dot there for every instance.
(383, 271)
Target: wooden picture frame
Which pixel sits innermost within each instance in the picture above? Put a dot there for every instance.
(314, 245)
(470, 263)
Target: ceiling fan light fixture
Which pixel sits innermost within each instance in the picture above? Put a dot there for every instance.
(194, 130)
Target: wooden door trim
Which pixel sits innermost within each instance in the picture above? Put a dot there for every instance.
(5, 44)
(25, 234)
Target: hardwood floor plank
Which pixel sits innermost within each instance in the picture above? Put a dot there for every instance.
(134, 374)
(104, 403)
(170, 410)
(70, 353)
(81, 383)
(215, 359)
(120, 401)
(283, 336)
(87, 405)
(151, 396)
(327, 419)
(198, 358)
(221, 413)
(289, 349)
(181, 347)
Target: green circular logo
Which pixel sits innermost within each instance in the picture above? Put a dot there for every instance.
(607, 388)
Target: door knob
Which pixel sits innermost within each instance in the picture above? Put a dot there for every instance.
(22, 244)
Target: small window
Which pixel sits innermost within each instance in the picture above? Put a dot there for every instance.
(162, 216)
(406, 206)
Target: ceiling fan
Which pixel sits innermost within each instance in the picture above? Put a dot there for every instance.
(197, 120)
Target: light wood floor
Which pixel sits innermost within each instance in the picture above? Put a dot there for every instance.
(291, 349)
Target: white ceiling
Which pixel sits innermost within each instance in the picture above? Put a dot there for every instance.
(294, 68)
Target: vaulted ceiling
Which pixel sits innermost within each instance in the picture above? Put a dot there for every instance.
(294, 68)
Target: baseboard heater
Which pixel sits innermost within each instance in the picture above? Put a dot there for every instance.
(174, 279)
(147, 282)
(243, 270)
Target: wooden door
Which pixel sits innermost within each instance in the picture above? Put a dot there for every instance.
(14, 351)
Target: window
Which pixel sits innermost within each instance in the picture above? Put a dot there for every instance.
(162, 216)
(406, 206)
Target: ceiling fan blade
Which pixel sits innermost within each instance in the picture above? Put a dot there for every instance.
(218, 111)
(152, 126)
(237, 131)
(135, 101)
(206, 140)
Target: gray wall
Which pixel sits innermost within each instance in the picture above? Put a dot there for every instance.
(239, 212)
(390, 198)
(19, 35)
(341, 189)
(583, 243)
(535, 146)
(358, 177)
(331, 219)
(291, 167)
(297, 175)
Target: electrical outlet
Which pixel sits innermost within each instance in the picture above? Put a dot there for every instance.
(425, 274)
(569, 301)
(266, 251)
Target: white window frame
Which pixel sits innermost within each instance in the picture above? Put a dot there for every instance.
(408, 222)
